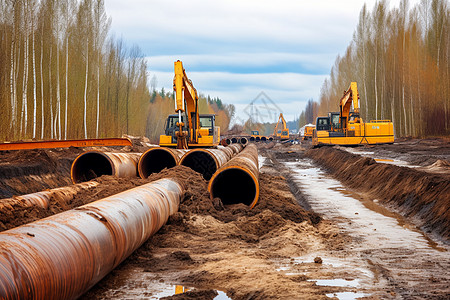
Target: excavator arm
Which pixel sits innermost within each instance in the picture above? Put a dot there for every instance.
(186, 99)
(351, 96)
(283, 122)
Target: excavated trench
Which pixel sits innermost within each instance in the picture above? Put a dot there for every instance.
(378, 205)
(418, 195)
(351, 246)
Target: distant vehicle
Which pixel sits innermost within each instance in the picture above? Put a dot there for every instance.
(308, 131)
(283, 132)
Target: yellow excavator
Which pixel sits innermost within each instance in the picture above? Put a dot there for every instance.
(187, 128)
(283, 132)
(348, 128)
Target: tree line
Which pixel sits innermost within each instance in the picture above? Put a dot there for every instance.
(400, 59)
(63, 76)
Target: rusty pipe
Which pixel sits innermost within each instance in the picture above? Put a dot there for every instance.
(42, 199)
(237, 180)
(234, 140)
(243, 141)
(228, 141)
(92, 164)
(225, 142)
(63, 256)
(263, 139)
(236, 148)
(252, 139)
(154, 160)
(205, 161)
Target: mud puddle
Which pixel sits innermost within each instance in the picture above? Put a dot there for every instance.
(379, 158)
(386, 251)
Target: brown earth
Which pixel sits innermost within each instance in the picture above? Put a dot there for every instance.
(419, 195)
(207, 246)
(207, 242)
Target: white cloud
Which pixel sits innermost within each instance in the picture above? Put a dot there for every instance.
(234, 49)
(289, 91)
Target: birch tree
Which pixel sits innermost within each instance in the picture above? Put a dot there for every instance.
(101, 27)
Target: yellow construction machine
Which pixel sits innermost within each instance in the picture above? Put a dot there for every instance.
(308, 131)
(348, 128)
(281, 133)
(187, 128)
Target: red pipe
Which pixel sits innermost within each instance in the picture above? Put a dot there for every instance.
(156, 159)
(92, 164)
(237, 180)
(63, 256)
(207, 161)
(42, 199)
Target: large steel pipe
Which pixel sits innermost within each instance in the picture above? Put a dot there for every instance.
(92, 164)
(63, 195)
(236, 148)
(63, 256)
(243, 141)
(237, 180)
(234, 140)
(155, 160)
(205, 161)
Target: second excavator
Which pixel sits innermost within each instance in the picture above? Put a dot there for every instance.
(348, 128)
(283, 132)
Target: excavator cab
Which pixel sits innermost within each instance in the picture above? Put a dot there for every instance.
(208, 133)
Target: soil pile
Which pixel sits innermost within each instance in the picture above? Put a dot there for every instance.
(206, 244)
(415, 193)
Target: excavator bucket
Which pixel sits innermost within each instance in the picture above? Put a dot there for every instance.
(181, 137)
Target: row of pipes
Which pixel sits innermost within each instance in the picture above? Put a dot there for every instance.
(245, 140)
(63, 256)
(207, 162)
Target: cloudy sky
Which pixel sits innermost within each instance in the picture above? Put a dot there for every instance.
(236, 49)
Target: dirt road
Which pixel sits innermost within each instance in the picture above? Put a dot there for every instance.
(310, 236)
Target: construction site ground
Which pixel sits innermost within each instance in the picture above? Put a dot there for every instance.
(369, 222)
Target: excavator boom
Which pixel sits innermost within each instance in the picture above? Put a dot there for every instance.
(190, 131)
(282, 133)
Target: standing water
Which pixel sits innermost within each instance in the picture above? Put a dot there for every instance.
(389, 253)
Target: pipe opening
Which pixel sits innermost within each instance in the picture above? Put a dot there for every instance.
(243, 140)
(91, 165)
(155, 161)
(201, 162)
(257, 139)
(263, 139)
(252, 139)
(234, 140)
(234, 186)
(228, 141)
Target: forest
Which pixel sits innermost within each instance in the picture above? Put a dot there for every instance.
(399, 58)
(64, 76)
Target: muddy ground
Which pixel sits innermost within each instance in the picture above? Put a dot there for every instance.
(282, 247)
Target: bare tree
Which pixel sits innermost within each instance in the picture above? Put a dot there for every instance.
(101, 27)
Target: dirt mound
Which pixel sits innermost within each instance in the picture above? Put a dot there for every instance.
(205, 232)
(415, 193)
(16, 215)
